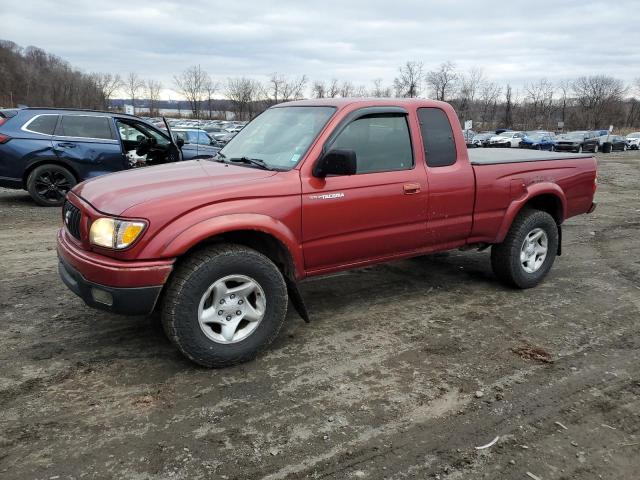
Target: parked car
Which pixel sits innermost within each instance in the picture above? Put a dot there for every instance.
(506, 139)
(468, 138)
(578, 141)
(612, 143)
(633, 141)
(538, 141)
(47, 151)
(309, 188)
(482, 139)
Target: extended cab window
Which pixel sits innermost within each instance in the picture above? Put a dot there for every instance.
(85, 126)
(382, 143)
(437, 136)
(44, 124)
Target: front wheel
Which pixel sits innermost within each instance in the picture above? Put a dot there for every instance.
(527, 253)
(224, 305)
(48, 184)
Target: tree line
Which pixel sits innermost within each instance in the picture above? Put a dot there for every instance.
(31, 76)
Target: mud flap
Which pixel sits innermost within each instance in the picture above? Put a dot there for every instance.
(297, 300)
(559, 240)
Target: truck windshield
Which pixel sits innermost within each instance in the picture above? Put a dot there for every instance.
(280, 136)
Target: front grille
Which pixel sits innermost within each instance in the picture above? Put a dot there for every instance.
(72, 216)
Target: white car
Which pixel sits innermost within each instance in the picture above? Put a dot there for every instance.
(506, 139)
(633, 141)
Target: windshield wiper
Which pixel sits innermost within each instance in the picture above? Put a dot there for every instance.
(251, 161)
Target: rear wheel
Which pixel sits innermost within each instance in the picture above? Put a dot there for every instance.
(48, 184)
(224, 305)
(527, 253)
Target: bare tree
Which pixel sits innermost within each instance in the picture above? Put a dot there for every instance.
(346, 89)
(489, 94)
(409, 82)
(153, 89)
(191, 84)
(243, 93)
(334, 89)
(508, 107)
(538, 104)
(380, 91)
(319, 89)
(210, 87)
(283, 89)
(470, 83)
(107, 84)
(133, 85)
(442, 82)
(599, 99)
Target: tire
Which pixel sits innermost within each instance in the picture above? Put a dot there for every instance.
(48, 184)
(580, 149)
(506, 259)
(596, 148)
(206, 345)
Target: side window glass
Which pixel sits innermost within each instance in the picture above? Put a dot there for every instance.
(437, 136)
(44, 124)
(381, 143)
(85, 126)
(128, 132)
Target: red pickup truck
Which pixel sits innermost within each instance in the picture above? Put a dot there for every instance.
(308, 188)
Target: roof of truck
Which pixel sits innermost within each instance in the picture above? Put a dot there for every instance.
(365, 102)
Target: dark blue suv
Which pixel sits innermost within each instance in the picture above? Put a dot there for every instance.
(47, 151)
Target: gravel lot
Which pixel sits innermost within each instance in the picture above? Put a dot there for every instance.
(405, 368)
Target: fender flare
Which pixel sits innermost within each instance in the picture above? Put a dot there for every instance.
(532, 191)
(201, 231)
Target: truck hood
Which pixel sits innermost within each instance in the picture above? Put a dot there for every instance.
(115, 193)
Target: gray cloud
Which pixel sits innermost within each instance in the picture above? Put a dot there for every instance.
(357, 40)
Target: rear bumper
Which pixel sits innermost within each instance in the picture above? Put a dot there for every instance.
(126, 287)
(125, 301)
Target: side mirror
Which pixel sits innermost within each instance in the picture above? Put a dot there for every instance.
(336, 162)
(180, 142)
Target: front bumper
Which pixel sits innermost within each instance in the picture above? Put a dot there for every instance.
(125, 301)
(126, 287)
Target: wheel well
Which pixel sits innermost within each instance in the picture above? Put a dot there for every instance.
(32, 167)
(262, 242)
(547, 203)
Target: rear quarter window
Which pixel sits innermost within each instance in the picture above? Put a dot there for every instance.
(437, 137)
(85, 126)
(43, 124)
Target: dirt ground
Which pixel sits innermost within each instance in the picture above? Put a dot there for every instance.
(404, 370)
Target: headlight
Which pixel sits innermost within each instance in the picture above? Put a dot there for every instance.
(114, 233)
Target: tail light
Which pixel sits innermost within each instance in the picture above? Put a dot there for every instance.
(4, 138)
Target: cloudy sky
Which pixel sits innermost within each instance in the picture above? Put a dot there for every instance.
(357, 40)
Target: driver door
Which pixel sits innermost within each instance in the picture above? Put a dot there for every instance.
(134, 135)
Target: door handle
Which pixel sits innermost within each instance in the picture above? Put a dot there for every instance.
(411, 188)
(66, 145)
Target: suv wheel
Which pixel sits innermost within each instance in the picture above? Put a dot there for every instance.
(527, 253)
(48, 184)
(224, 305)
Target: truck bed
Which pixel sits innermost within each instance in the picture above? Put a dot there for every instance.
(492, 156)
